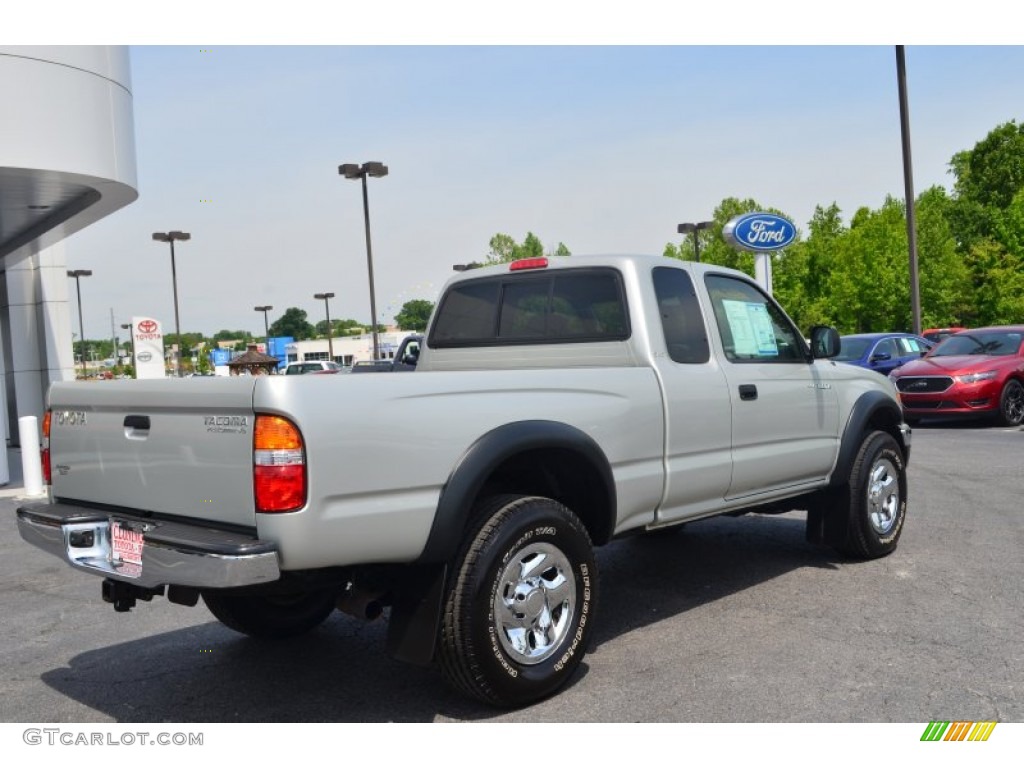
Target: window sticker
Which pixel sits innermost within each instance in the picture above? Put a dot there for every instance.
(751, 327)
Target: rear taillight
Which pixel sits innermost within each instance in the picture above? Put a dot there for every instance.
(279, 465)
(44, 453)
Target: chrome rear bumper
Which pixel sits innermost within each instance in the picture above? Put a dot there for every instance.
(158, 552)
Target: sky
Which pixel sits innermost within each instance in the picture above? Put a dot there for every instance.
(605, 148)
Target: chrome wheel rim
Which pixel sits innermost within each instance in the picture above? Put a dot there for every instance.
(883, 496)
(534, 603)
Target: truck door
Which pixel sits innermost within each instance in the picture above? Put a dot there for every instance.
(698, 419)
(785, 412)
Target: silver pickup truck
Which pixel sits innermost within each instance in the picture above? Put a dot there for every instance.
(557, 404)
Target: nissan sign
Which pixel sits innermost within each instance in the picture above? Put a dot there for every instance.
(760, 232)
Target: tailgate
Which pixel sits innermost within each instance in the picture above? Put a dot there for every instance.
(171, 446)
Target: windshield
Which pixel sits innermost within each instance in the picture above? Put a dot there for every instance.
(999, 343)
(851, 348)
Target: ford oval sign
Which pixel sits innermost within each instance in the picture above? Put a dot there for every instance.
(759, 232)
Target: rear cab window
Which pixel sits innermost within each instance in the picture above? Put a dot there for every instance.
(552, 307)
(682, 321)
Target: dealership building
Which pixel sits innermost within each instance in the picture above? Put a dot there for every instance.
(67, 160)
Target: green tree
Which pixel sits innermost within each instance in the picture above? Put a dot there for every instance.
(293, 323)
(228, 335)
(414, 314)
(988, 179)
(993, 172)
(944, 279)
(800, 275)
(503, 248)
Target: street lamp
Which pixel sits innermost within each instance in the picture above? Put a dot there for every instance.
(266, 328)
(78, 274)
(694, 229)
(170, 237)
(131, 338)
(327, 309)
(376, 170)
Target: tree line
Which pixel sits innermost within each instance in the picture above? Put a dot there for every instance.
(970, 245)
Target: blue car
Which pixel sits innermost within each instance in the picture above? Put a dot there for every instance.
(882, 352)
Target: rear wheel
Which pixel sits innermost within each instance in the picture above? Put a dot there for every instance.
(271, 616)
(518, 616)
(1011, 404)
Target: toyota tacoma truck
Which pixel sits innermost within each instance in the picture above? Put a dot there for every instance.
(557, 404)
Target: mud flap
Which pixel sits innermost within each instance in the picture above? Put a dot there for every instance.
(416, 614)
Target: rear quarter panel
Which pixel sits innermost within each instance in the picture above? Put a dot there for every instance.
(380, 448)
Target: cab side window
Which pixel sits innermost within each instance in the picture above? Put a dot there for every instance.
(752, 327)
(686, 338)
(909, 346)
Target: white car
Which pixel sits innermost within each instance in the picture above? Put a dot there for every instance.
(311, 366)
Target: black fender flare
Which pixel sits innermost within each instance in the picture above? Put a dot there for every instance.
(485, 455)
(419, 599)
(867, 407)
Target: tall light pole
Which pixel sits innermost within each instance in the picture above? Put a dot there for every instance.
(131, 338)
(327, 309)
(170, 237)
(694, 229)
(78, 274)
(376, 170)
(266, 328)
(908, 184)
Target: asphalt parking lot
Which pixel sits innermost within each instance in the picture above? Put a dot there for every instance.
(725, 620)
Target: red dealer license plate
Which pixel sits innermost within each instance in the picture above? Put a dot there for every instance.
(126, 549)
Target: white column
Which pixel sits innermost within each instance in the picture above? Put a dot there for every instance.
(763, 270)
(39, 328)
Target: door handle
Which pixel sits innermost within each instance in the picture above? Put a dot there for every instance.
(748, 392)
(136, 427)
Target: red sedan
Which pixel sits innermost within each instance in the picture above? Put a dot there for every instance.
(975, 372)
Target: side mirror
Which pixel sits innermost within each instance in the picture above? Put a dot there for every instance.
(412, 355)
(881, 356)
(825, 341)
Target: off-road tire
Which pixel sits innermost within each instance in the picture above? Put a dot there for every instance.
(271, 616)
(519, 611)
(864, 517)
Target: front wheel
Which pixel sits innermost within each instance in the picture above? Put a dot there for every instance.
(1011, 404)
(518, 616)
(864, 517)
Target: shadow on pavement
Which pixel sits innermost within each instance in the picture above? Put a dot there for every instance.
(340, 672)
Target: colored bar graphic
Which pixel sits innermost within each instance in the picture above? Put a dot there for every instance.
(982, 731)
(958, 731)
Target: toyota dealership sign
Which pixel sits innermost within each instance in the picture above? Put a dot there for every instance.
(148, 344)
